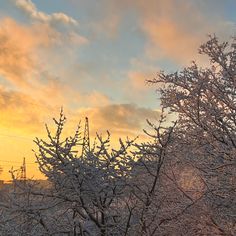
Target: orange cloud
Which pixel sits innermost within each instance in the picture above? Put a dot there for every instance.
(173, 28)
(166, 38)
(96, 99)
(18, 47)
(20, 113)
(138, 80)
(24, 55)
(24, 48)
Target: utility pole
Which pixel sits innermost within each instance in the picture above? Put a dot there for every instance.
(23, 171)
(86, 139)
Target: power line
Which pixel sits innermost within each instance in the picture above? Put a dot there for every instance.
(8, 165)
(28, 163)
(34, 104)
(17, 136)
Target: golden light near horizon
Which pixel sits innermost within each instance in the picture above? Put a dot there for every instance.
(92, 61)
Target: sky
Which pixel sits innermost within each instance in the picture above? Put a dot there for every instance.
(93, 57)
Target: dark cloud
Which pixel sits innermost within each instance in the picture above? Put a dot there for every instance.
(119, 118)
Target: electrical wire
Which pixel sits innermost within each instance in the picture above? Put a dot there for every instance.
(17, 136)
(28, 163)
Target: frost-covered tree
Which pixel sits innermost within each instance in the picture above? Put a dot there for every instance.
(103, 192)
(204, 102)
(88, 194)
(165, 203)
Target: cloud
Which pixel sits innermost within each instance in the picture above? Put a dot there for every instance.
(76, 39)
(173, 29)
(120, 119)
(107, 26)
(30, 9)
(168, 32)
(18, 49)
(24, 55)
(97, 99)
(137, 80)
(19, 112)
(168, 39)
